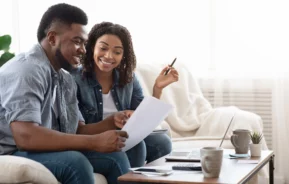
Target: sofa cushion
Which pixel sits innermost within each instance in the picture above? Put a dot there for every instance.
(98, 179)
(15, 169)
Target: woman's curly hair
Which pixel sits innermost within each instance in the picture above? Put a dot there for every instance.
(128, 63)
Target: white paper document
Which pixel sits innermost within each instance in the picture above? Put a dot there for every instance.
(148, 115)
(248, 161)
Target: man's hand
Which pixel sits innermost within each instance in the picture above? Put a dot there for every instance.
(121, 117)
(109, 141)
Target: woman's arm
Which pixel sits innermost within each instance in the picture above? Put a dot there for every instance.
(163, 81)
(117, 120)
(96, 128)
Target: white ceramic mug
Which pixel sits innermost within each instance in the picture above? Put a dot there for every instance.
(211, 159)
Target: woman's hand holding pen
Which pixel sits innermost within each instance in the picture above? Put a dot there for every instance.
(163, 80)
(167, 76)
(120, 118)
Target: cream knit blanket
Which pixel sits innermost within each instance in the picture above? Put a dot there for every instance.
(193, 115)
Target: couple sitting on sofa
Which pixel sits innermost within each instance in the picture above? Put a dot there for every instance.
(47, 117)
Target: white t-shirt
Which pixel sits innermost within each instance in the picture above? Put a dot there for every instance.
(108, 105)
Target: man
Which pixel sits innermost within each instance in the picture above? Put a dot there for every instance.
(39, 115)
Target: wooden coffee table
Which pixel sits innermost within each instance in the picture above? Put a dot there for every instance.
(232, 172)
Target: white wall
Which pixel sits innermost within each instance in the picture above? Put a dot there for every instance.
(228, 38)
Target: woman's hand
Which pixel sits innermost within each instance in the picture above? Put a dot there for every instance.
(163, 80)
(121, 117)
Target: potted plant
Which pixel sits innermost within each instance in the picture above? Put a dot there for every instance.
(255, 146)
(5, 42)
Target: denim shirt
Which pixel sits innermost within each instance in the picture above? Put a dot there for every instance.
(89, 94)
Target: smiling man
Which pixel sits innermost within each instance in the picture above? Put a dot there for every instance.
(39, 115)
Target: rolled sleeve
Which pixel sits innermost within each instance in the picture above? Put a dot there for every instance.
(21, 97)
(21, 114)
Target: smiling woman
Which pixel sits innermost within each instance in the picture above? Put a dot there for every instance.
(107, 84)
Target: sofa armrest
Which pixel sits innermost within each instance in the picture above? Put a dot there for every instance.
(216, 122)
(22, 170)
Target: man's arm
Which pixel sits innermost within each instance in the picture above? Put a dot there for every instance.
(22, 95)
(30, 136)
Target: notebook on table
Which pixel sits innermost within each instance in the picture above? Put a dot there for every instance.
(193, 155)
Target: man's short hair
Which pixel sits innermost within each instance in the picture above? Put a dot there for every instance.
(62, 13)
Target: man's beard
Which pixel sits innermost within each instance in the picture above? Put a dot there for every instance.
(63, 63)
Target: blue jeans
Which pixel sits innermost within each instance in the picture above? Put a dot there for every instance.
(74, 167)
(157, 145)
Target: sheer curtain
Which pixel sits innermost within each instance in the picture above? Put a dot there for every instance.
(250, 52)
(227, 44)
(281, 126)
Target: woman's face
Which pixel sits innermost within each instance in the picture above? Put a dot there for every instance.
(108, 52)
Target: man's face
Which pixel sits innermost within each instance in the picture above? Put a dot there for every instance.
(71, 46)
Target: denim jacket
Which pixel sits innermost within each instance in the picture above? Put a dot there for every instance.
(89, 94)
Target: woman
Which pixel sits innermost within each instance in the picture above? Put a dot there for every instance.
(107, 84)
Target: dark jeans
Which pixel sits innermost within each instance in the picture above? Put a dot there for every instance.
(74, 167)
(157, 145)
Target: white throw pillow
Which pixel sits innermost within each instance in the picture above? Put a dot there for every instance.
(15, 169)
